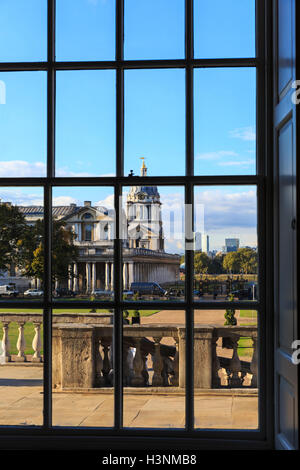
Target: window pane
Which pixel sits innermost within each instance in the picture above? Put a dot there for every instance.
(85, 127)
(155, 121)
(225, 121)
(153, 242)
(23, 124)
(154, 29)
(82, 343)
(226, 369)
(23, 31)
(21, 367)
(85, 30)
(224, 29)
(21, 329)
(21, 244)
(154, 368)
(226, 253)
(83, 243)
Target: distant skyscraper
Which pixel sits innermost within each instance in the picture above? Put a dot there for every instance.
(205, 243)
(198, 238)
(232, 244)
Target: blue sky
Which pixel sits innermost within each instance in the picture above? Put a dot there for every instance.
(154, 99)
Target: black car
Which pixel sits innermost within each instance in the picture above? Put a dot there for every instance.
(62, 292)
(148, 288)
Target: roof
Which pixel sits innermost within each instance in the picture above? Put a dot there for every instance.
(61, 211)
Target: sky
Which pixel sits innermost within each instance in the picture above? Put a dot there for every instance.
(224, 112)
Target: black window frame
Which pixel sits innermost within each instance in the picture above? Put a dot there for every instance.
(48, 436)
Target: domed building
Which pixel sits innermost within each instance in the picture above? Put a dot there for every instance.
(144, 257)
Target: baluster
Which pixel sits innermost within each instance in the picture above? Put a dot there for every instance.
(21, 344)
(216, 381)
(37, 343)
(100, 382)
(126, 365)
(145, 373)
(174, 380)
(235, 365)
(106, 361)
(254, 363)
(138, 366)
(6, 343)
(157, 380)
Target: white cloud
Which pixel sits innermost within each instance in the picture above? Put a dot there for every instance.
(21, 168)
(237, 163)
(17, 197)
(216, 155)
(65, 201)
(244, 133)
(108, 202)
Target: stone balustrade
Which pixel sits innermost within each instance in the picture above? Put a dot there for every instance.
(153, 355)
(36, 342)
(83, 356)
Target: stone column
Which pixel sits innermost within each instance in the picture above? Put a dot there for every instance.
(88, 277)
(203, 357)
(130, 274)
(75, 279)
(93, 276)
(73, 356)
(125, 276)
(106, 276)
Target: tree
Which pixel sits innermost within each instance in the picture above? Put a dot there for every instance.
(12, 227)
(64, 251)
(248, 260)
(22, 245)
(216, 265)
(201, 263)
(231, 262)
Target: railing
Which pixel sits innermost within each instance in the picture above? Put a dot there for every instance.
(153, 355)
(151, 361)
(23, 319)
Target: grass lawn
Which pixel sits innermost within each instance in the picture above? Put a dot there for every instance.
(245, 347)
(248, 314)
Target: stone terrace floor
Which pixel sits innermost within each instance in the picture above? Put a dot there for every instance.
(21, 401)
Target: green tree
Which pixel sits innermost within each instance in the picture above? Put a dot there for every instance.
(64, 251)
(22, 245)
(231, 262)
(247, 260)
(216, 265)
(12, 227)
(201, 263)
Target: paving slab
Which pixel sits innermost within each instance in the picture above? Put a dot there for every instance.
(219, 409)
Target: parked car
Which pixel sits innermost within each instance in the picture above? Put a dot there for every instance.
(150, 288)
(128, 293)
(173, 292)
(8, 290)
(33, 293)
(63, 292)
(102, 293)
(242, 294)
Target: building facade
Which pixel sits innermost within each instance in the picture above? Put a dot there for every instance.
(144, 256)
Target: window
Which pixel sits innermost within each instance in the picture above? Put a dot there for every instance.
(162, 132)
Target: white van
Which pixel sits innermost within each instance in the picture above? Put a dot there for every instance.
(8, 290)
